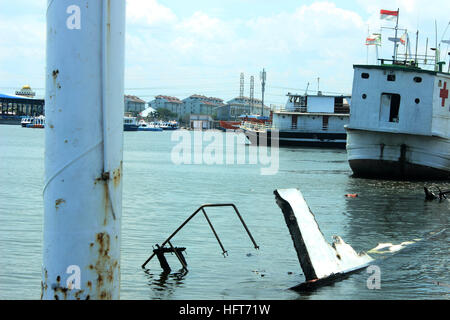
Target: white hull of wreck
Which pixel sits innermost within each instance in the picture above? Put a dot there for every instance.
(398, 156)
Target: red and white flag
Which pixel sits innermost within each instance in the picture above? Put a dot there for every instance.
(403, 38)
(373, 40)
(388, 15)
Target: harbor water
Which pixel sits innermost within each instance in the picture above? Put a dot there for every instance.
(158, 195)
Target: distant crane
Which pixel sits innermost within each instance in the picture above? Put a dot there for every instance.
(241, 91)
(263, 85)
(252, 93)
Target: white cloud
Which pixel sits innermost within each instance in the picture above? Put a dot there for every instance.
(202, 25)
(296, 46)
(149, 12)
(22, 51)
(320, 38)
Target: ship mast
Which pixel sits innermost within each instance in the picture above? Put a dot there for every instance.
(395, 37)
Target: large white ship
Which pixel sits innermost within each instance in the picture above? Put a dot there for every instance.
(306, 120)
(399, 121)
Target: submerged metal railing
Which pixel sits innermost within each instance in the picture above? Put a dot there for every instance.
(430, 195)
(160, 250)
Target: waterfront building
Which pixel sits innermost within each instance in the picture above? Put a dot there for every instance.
(241, 106)
(173, 104)
(13, 107)
(26, 92)
(134, 104)
(201, 121)
(199, 104)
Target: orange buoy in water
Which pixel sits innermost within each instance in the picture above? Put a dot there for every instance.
(351, 195)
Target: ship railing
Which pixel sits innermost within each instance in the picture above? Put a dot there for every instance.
(256, 126)
(338, 108)
(318, 128)
(294, 109)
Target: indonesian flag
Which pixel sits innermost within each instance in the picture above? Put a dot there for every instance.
(388, 15)
(403, 38)
(373, 40)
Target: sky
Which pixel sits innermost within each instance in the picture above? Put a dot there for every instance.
(180, 48)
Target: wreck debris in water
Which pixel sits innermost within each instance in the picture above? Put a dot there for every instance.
(430, 195)
(321, 262)
(161, 249)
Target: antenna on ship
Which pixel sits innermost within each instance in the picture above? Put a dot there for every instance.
(417, 43)
(395, 37)
(446, 42)
(306, 91)
(437, 54)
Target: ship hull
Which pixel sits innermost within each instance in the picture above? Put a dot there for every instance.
(299, 139)
(130, 127)
(398, 156)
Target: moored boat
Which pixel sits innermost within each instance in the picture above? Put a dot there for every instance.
(144, 126)
(25, 121)
(37, 122)
(130, 124)
(170, 125)
(400, 121)
(307, 121)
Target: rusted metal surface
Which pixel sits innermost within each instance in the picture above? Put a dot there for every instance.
(84, 143)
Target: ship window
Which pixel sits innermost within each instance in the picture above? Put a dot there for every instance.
(417, 101)
(391, 77)
(390, 107)
(418, 79)
(364, 96)
(365, 75)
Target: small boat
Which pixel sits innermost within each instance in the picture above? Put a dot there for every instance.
(229, 125)
(130, 124)
(171, 125)
(144, 126)
(25, 121)
(37, 122)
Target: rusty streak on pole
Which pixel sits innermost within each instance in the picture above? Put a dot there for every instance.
(83, 149)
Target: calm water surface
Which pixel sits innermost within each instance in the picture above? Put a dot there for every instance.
(159, 195)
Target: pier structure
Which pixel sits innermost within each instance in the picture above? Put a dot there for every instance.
(83, 149)
(16, 106)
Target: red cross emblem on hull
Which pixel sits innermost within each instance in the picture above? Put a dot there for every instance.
(444, 94)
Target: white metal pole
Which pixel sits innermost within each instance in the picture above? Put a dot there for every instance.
(83, 149)
(395, 37)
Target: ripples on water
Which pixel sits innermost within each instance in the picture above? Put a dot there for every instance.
(158, 196)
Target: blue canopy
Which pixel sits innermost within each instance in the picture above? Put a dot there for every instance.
(5, 96)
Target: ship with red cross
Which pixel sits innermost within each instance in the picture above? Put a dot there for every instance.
(399, 126)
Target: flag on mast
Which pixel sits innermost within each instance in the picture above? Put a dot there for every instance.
(373, 40)
(388, 15)
(403, 38)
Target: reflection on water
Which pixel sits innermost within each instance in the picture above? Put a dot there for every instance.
(163, 284)
(158, 196)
